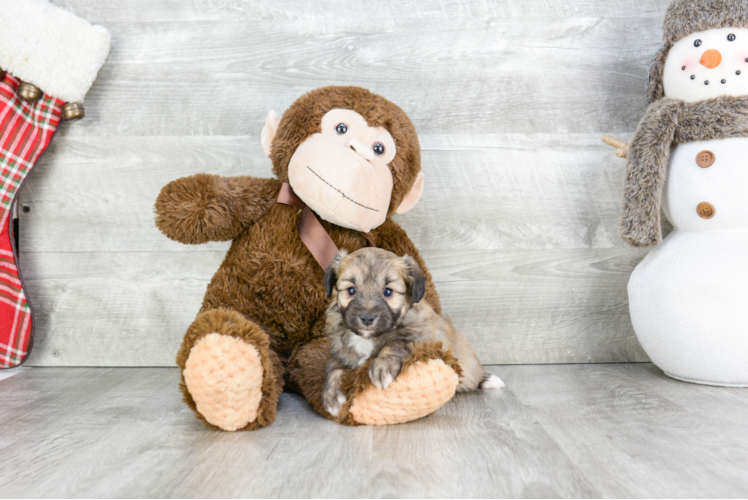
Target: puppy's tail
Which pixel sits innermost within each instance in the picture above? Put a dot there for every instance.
(492, 382)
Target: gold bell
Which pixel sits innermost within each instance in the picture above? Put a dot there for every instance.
(28, 92)
(73, 111)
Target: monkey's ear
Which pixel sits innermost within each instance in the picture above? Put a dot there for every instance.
(269, 131)
(331, 274)
(413, 195)
(416, 281)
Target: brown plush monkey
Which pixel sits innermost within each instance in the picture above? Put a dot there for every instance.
(353, 158)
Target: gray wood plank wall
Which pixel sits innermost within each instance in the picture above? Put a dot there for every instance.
(518, 222)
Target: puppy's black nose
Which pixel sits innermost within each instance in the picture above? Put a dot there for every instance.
(367, 318)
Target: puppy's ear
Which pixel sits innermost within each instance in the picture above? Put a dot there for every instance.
(331, 274)
(416, 280)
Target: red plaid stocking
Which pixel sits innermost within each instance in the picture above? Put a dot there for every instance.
(57, 56)
(26, 129)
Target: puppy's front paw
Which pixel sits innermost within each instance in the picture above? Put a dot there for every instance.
(383, 371)
(333, 400)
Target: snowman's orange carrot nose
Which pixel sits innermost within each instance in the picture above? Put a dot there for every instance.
(711, 58)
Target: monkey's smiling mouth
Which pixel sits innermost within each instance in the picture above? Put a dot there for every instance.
(341, 192)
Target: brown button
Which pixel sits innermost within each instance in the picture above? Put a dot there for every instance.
(705, 210)
(705, 159)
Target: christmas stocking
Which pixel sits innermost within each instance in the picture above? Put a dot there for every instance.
(48, 60)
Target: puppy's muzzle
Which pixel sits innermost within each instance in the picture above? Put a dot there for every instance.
(367, 319)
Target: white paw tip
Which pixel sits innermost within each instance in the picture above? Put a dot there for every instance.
(493, 382)
(333, 411)
(386, 381)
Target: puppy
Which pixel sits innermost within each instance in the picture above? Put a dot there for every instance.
(378, 313)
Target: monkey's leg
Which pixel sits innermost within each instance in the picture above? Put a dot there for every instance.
(427, 380)
(231, 378)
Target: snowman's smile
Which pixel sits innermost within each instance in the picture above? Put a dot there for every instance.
(711, 59)
(708, 64)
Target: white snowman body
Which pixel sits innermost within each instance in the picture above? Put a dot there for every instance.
(688, 298)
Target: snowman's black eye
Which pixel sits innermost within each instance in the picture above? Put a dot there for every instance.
(693, 77)
(683, 68)
(731, 37)
(378, 148)
(697, 43)
(342, 128)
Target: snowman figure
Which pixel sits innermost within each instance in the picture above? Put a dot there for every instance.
(689, 156)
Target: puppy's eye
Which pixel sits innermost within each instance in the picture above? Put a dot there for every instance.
(697, 43)
(342, 128)
(388, 292)
(378, 148)
(351, 291)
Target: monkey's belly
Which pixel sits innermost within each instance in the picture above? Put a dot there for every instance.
(689, 306)
(283, 296)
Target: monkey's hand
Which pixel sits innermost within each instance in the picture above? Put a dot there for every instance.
(386, 366)
(205, 207)
(333, 397)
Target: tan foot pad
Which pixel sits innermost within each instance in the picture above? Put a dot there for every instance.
(419, 390)
(224, 377)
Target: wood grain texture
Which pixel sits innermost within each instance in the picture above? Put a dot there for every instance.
(619, 425)
(568, 431)
(132, 308)
(519, 220)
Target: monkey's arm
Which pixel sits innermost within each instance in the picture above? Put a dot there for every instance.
(206, 207)
(390, 236)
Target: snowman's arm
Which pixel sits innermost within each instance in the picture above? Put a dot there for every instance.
(205, 207)
(645, 174)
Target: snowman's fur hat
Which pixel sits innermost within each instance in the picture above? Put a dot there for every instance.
(684, 17)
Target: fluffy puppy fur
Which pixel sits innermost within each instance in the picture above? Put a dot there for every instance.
(377, 313)
(669, 122)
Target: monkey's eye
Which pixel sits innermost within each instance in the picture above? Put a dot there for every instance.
(352, 291)
(342, 128)
(378, 148)
(388, 292)
(730, 37)
(697, 43)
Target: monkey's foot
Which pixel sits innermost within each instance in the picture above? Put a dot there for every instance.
(231, 378)
(428, 379)
(224, 376)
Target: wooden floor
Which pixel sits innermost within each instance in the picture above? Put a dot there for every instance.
(618, 430)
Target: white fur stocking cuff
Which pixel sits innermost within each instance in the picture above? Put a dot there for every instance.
(51, 48)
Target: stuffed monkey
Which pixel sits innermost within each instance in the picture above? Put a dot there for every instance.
(345, 160)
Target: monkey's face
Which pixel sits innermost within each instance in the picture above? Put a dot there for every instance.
(375, 289)
(342, 172)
